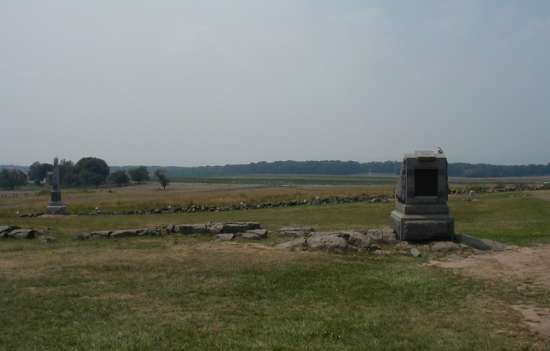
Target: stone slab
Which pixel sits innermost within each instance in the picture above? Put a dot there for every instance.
(422, 227)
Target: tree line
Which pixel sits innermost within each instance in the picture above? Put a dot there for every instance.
(91, 171)
(353, 168)
(88, 171)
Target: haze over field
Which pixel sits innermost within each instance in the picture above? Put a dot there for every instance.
(214, 82)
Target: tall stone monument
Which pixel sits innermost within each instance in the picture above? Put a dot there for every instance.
(55, 206)
(421, 211)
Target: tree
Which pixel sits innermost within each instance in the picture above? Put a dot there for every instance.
(38, 172)
(11, 178)
(119, 178)
(139, 174)
(162, 178)
(67, 173)
(92, 171)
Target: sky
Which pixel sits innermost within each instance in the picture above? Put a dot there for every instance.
(186, 82)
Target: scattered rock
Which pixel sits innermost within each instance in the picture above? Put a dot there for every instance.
(255, 234)
(415, 253)
(225, 237)
(327, 241)
(296, 244)
(444, 246)
(296, 231)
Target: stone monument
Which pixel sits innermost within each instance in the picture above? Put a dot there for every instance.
(55, 206)
(421, 211)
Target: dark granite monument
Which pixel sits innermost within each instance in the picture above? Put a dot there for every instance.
(421, 211)
(55, 206)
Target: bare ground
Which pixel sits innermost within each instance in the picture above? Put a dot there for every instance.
(524, 267)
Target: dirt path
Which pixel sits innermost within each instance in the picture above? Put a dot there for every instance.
(525, 267)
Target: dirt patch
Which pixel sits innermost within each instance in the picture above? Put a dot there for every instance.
(536, 318)
(525, 265)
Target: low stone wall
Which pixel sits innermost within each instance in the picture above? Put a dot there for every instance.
(195, 208)
(225, 231)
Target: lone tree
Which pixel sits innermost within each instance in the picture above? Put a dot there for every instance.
(139, 174)
(12, 178)
(92, 171)
(162, 178)
(38, 172)
(119, 178)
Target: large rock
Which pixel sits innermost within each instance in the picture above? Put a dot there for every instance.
(125, 233)
(357, 239)
(296, 244)
(327, 241)
(382, 236)
(190, 228)
(255, 234)
(480, 244)
(22, 234)
(214, 228)
(5, 229)
(240, 227)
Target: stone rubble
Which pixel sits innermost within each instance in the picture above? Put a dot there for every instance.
(223, 231)
(381, 242)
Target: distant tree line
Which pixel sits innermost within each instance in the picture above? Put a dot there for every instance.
(351, 168)
(91, 171)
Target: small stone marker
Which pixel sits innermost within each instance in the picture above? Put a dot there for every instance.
(55, 206)
(421, 211)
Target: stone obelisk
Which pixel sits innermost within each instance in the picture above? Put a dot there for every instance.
(56, 206)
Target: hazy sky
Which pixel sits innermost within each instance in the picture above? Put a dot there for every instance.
(187, 82)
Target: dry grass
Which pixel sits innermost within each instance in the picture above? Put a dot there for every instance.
(149, 195)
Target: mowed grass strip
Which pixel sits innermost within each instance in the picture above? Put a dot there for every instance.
(194, 295)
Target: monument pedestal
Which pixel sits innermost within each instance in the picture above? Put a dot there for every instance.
(421, 211)
(57, 208)
(422, 227)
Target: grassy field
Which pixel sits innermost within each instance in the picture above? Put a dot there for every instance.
(192, 293)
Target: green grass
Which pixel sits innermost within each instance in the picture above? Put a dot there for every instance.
(514, 218)
(190, 293)
(164, 298)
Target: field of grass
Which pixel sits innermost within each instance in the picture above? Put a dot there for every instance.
(192, 293)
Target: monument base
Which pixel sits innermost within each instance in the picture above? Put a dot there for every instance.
(57, 208)
(425, 227)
